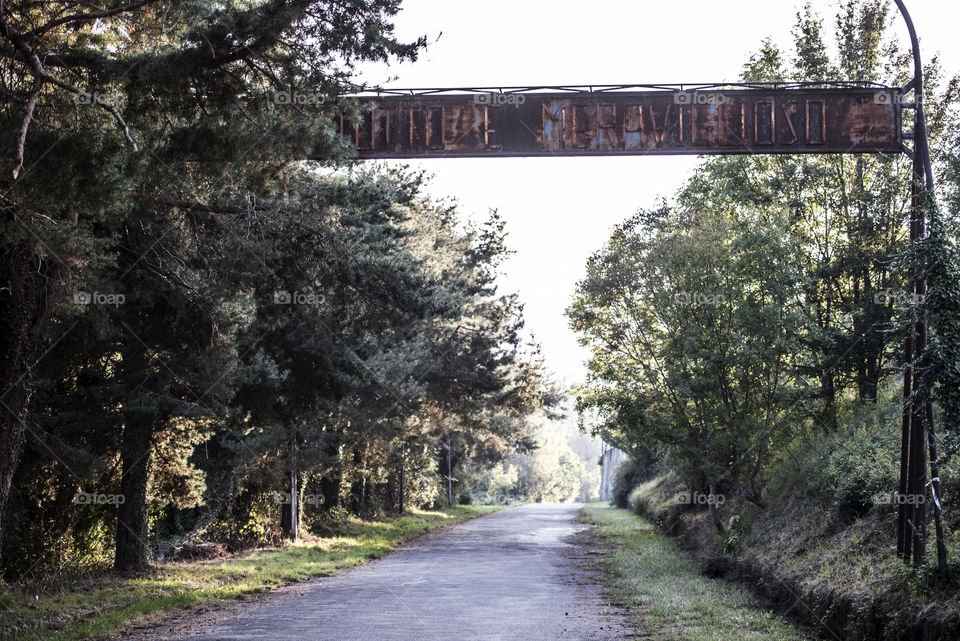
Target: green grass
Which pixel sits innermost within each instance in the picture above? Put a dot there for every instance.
(100, 606)
(664, 592)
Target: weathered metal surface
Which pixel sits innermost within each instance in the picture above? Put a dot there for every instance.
(736, 121)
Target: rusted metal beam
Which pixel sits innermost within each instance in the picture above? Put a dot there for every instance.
(576, 122)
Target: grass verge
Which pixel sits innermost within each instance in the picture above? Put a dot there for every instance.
(99, 606)
(832, 572)
(664, 592)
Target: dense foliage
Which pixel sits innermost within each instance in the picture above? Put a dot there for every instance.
(203, 338)
(761, 315)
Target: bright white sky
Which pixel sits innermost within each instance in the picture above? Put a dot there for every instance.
(560, 210)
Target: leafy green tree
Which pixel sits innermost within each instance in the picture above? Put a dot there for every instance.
(841, 260)
(943, 301)
(692, 323)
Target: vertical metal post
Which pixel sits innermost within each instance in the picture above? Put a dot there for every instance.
(449, 476)
(918, 419)
(294, 491)
(402, 461)
(911, 522)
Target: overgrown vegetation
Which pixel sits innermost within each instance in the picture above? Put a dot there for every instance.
(806, 555)
(749, 336)
(664, 592)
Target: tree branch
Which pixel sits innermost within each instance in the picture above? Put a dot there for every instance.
(93, 98)
(25, 126)
(84, 17)
(40, 76)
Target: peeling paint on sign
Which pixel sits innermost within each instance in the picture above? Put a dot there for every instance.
(738, 121)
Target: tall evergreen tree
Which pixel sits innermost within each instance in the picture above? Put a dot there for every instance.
(98, 101)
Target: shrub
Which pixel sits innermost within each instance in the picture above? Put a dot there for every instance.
(863, 461)
(631, 474)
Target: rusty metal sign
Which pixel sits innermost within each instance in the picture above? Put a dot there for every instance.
(592, 123)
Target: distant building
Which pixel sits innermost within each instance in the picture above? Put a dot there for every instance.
(610, 461)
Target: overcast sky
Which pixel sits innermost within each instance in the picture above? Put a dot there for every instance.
(560, 210)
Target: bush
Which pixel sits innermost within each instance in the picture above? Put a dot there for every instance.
(631, 474)
(863, 462)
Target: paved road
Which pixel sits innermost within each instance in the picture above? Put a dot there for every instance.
(509, 576)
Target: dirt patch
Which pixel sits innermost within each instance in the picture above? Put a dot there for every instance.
(584, 555)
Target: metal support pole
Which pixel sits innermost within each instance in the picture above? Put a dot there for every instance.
(294, 490)
(911, 523)
(918, 419)
(403, 458)
(449, 476)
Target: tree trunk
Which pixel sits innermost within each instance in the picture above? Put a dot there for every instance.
(873, 376)
(13, 406)
(358, 488)
(132, 532)
(330, 488)
(138, 427)
(284, 511)
(903, 531)
(712, 506)
(25, 291)
(828, 416)
(331, 483)
(294, 491)
(917, 474)
(942, 564)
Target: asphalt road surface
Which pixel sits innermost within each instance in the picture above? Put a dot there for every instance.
(512, 575)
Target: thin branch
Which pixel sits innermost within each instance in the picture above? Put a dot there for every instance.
(25, 126)
(41, 76)
(93, 98)
(84, 17)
